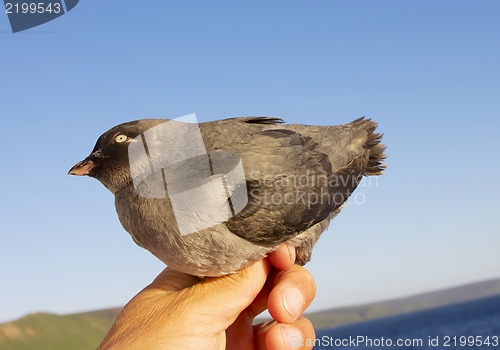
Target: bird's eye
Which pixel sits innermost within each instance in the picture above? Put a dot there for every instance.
(120, 138)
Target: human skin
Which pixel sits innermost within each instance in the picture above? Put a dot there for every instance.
(179, 311)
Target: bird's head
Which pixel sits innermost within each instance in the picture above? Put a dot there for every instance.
(109, 160)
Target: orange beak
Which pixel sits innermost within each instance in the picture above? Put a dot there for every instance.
(82, 168)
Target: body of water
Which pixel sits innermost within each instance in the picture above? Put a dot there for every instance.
(471, 325)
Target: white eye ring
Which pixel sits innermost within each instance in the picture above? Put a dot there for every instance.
(120, 138)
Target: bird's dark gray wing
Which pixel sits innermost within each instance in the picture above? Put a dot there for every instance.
(288, 184)
(258, 120)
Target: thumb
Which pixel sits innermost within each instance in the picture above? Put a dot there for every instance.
(227, 296)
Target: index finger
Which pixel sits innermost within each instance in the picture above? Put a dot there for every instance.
(283, 258)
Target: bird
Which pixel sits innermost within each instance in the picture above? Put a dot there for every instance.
(209, 199)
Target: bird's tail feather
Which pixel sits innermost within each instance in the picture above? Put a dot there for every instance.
(375, 161)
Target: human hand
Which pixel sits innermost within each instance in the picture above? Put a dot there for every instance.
(178, 311)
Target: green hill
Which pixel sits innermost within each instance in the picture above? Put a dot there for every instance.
(43, 331)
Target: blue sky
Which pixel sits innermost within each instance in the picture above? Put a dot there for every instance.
(427, 71)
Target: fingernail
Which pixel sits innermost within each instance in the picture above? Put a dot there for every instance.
(293, 301)
(292, 337)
